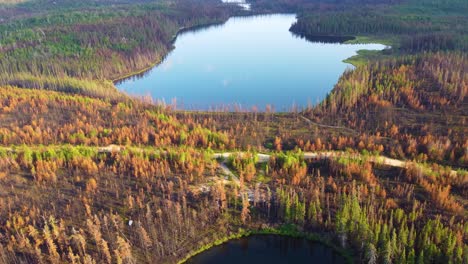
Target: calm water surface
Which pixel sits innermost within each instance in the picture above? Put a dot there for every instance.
(246, 62)
(268, 249)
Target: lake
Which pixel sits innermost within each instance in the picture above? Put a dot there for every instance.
(248, 62)
(271, 249)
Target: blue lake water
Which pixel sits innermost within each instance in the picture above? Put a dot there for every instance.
(248, 62)
(269, 249)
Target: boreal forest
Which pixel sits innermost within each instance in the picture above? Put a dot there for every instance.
(377, 171)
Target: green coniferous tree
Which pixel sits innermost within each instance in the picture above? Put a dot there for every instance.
(421, 257)
(411, 257)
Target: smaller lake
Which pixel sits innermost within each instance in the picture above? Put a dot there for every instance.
(247, 62)
(271, 249)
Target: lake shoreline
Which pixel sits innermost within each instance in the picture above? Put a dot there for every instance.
(194, 28)
(285, 230)
(204, 68)
(161, 59)
(183, 30)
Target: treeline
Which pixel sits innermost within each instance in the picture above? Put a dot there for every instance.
(443, 74)
(382, 218)
(413, 26)
(382, 235)
(406, 101)
(43, 163)
(318, 5)
(13, 9)
(398, 132)
(35, 117)
(363, 22)
(433, 42)
(85, 205)
(99, 207)
(87, 87)
(101, 43)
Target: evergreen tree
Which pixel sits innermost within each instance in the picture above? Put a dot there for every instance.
(387, 253)
(421, 257)
(371, 255)
(411, 257)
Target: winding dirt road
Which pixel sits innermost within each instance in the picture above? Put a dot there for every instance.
(324, 155)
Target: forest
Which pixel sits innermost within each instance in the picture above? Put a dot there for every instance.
(166, 175)
(410, 27)
(93, 43)
(378, 170)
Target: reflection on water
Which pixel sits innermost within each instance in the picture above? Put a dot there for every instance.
(246, 62)
(269, 249)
